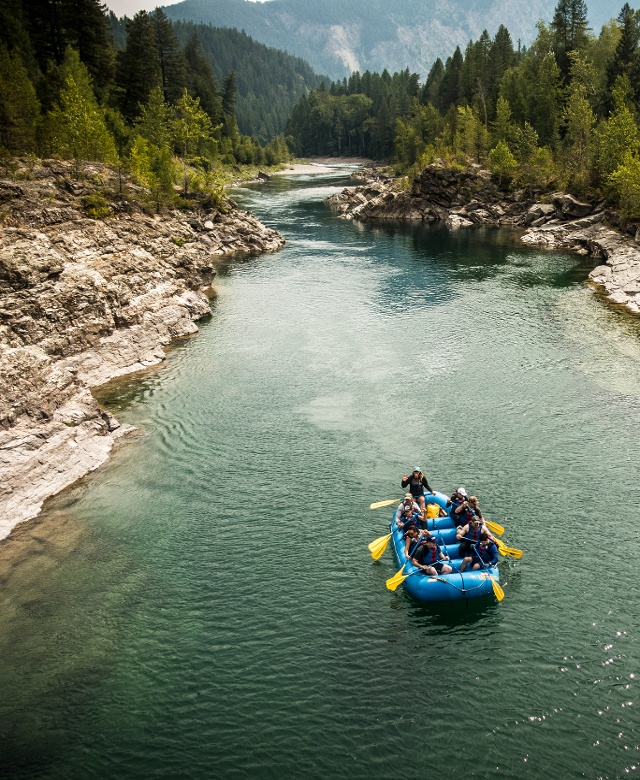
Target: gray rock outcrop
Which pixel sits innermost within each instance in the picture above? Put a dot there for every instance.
(83, 301)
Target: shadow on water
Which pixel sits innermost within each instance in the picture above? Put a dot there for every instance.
(451, 614)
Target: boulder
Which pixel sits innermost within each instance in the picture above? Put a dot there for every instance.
(455, 221)
(568, 207)
(537, 211)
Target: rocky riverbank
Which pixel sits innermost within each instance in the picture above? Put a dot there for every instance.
(464, 198)
(84, 300)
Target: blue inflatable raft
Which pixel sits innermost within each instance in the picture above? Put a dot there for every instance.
(445, 587)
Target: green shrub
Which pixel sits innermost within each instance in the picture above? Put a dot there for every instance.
(96, 206)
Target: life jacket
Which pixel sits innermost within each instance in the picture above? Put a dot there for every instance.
(452, 506)
(431, 556)
(473, 534)
(488, 553)
(464, 518)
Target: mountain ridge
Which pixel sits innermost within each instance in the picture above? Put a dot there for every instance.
(368, 35)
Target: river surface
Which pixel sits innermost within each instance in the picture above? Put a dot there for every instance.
(205, 605)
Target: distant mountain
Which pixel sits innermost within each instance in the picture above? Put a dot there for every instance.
(341, 36)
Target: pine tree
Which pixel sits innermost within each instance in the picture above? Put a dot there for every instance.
(14, 35)
(54, 25)
(579, 120)
(170, 58)
(76, 125)
(569, 31)
(618, 135)
(138, 71)
(191, 125)
(19, 106)
(85, 28)
(450, 87)
(501, 57)
(154, 121)
(152, 166)
(502, 126)
(546, 101)
(625, 59)
(229, 92)
(431, 89)
(502, 162)
(202, 81)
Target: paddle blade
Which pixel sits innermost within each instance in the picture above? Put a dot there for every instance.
(398, 578)
(497, 590)
(495, 528)
(502, 547)
(513, 552)
(380, 504)
(378, 546)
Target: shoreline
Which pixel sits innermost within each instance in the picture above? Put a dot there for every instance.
(463, 199)
(85, 301)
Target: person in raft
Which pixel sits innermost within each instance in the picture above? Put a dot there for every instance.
(483, 556)
(407, 504)
(458, 497)
(475, 505)
(464, 513)
(416, 482)
(470, 534)
(408, 519)
(413, 538)
(429, 557)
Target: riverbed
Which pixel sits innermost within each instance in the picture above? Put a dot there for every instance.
(205, 605)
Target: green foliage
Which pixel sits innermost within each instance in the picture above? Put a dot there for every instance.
(153, 167)
(579, 122)
(154, 120)
(19, 106)
(617, 135)
(268, 82)
(96, 206)
(76, 127)
(190, 126)
(502, 162)
(276, 151)
(625, 185)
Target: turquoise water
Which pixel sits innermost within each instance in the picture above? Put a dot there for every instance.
(205, 606)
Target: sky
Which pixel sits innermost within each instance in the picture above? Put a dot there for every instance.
(131, 7)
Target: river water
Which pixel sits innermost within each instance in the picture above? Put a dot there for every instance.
(205, 606)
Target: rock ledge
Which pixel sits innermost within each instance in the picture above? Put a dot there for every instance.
(83, 301)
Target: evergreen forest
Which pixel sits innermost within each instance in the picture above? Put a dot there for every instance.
(564, 112)
(75, 83)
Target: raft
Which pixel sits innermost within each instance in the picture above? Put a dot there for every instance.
(444, 587)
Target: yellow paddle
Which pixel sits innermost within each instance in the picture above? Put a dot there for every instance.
(497, 590)
(513, 552)
(397, 579)
(495, 528)
(380, 504)
(378, 546)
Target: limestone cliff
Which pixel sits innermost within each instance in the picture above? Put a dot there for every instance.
(84, 300)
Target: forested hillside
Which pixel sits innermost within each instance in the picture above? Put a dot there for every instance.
(269, 82)
(338, 37)
(562, 113)
(153, 106)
